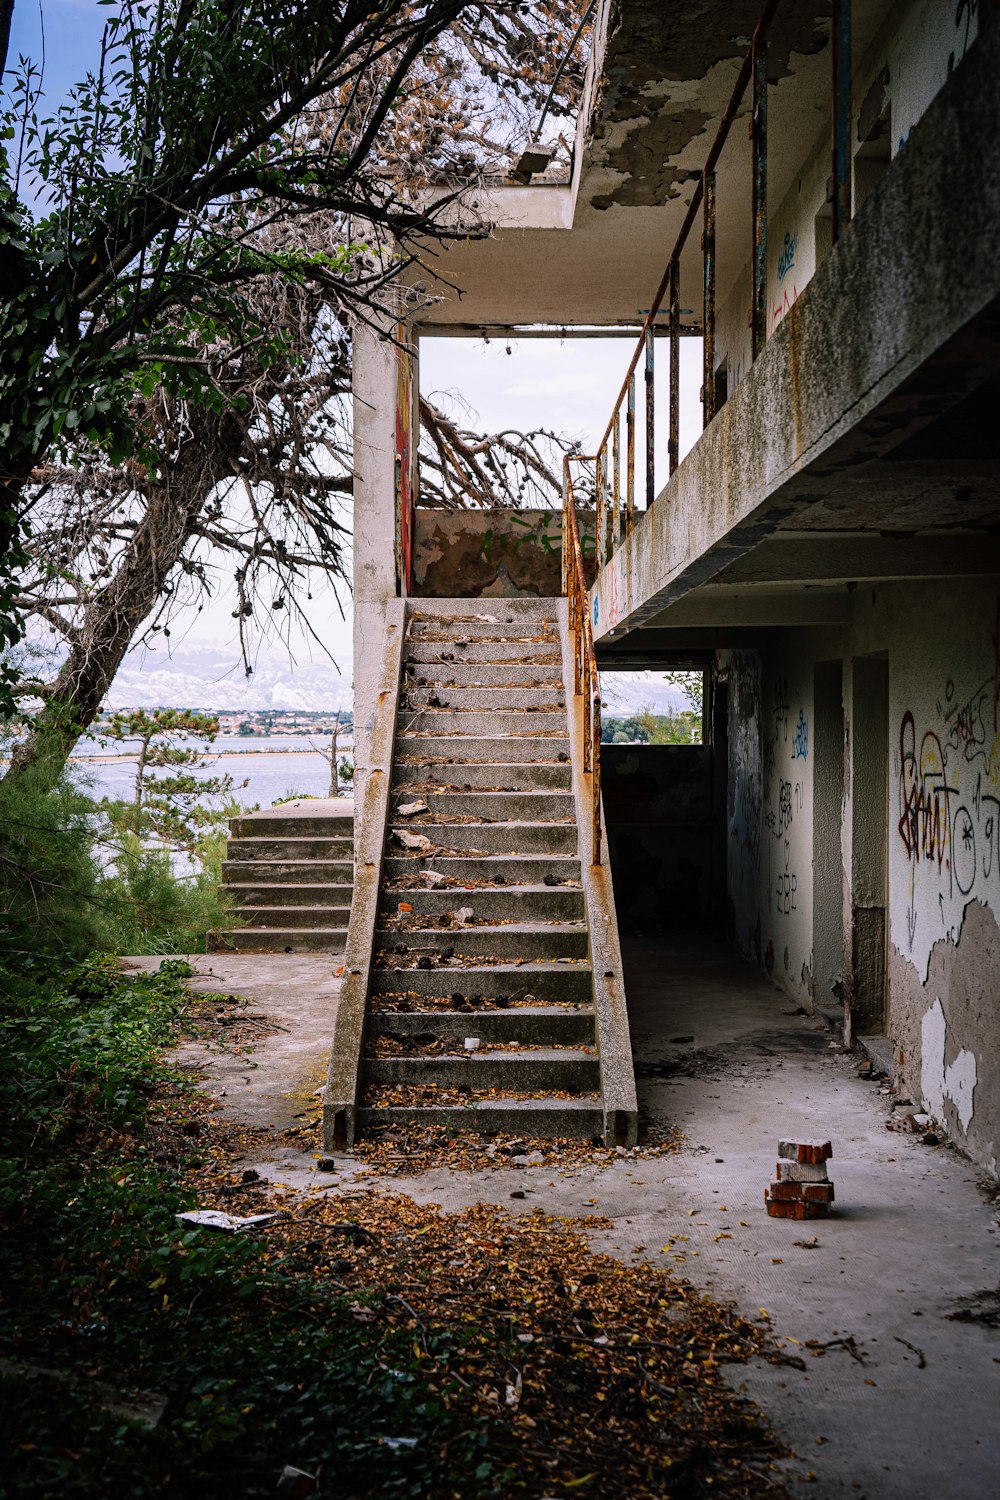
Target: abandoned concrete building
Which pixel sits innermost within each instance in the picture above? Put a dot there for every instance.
(812, 193)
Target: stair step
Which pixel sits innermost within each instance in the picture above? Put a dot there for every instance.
(507, 699)
(278, 940)
(518, 723)
(338, 872)
(547, 1068)
(419, 746)
(504, 626)
(538, 1119)
(488, 653)
(571, 983)
(290, 894)
(512, 940)
(295, 916)
(258, 825)
(500, 838)
(498, 807)
(485, 674)
(507, 776)
(532, 1025)
(528, 904)
(274, 848)
(521, 869)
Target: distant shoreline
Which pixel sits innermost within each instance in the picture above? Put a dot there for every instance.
(209, 754)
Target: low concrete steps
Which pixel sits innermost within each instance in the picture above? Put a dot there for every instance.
(290, 872)
(499, 953)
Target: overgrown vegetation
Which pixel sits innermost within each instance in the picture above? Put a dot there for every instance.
(77, 877)
(106, 1295)
(381, 1346)
(647, 728)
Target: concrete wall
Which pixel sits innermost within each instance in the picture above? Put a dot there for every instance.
(472, 554)
(374, 387)
(658, 807)
(908, 63)
(770, 811)
(912, 761)
(944, 856)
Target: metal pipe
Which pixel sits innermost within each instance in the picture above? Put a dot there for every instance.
(708, 246)
(758, 135)
(601, 506)
(630, 457)
(674, 435)
(578, 33)
(650, 423)
(617, 528)
(842, 107)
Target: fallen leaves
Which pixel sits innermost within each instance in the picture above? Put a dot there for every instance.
(552, 1334)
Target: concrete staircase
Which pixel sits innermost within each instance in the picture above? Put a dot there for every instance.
(290, 872)
(480, 1007)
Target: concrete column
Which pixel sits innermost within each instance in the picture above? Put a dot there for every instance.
(374, 389)
(866, 992)
(828, 802)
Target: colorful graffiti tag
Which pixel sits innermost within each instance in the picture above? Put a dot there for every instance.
(949, 805)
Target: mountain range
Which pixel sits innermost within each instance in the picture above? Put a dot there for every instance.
(206, 677)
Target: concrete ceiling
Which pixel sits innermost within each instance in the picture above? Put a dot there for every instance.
(661, 76)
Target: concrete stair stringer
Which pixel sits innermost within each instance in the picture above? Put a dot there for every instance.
(621, 1109)
(344, 1077)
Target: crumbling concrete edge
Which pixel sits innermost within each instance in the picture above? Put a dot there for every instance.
(614, 1045)
(340, 1109)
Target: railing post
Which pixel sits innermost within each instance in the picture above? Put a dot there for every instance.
(630, 456)
(841, 116)
(601, 509)
(708, 245)
(610, 518)
(595, 789)
(674, 440)
(618, 528)
(758, 134)
(650, 421)
(567, 500)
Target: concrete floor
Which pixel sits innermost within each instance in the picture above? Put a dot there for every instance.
(298, 992)
(910, 1410)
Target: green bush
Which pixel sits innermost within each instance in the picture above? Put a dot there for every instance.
(150, 909)
(261, 1366)
(50, 880)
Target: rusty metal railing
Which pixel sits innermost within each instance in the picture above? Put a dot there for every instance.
(616, 501)
(585, 679)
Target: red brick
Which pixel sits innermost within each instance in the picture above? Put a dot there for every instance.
(799, 1210)
(805, 1151)
(800, 1171)
(785, 1192)
(818, 1192)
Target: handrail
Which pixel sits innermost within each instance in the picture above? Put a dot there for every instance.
(585, 680)
(615, 500)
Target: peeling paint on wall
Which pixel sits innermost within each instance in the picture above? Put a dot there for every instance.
(468, 554)
(939, 1081)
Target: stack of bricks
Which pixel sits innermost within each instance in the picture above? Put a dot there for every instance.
(801, 1188)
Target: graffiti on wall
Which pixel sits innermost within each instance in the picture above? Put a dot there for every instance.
(786, 255)
(948, 815)
(801, 750)
(784, 797)
(744, 810)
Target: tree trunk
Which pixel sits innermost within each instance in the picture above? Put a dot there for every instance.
(111, 619)
(334, 776)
